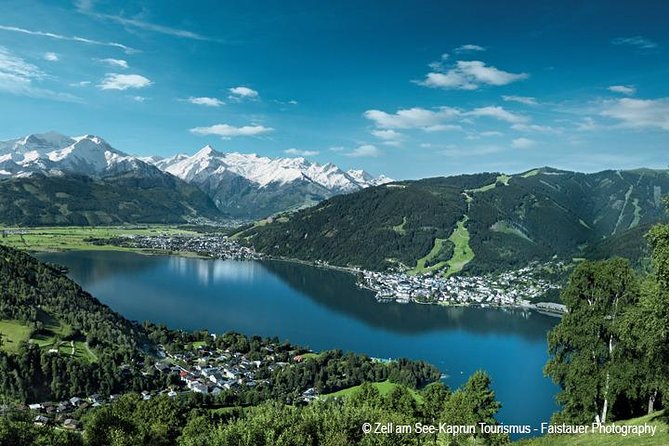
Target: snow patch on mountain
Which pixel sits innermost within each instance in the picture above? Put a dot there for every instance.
(53, 153)
(264, 171)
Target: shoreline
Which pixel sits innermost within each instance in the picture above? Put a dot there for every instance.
(547, 308)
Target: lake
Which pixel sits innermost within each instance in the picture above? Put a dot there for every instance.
(324, 309)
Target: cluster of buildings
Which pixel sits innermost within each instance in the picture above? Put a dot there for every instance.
(211, 371)
(512, 288)
(64, 414)
(211, 246)
(203, 370)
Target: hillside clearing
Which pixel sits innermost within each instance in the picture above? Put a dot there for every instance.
(13, 333)
(462, 252)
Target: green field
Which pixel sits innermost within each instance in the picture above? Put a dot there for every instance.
(400, 228)
(384, 388)
(502, 179)
(420, 267)
(531, 173)
(661, 437)
(13, 333)
(505, 228)
(637, 214)
(50, 337)
(462, 252)
(75, 237)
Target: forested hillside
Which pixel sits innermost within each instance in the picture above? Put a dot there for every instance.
(41, 200)
(488, 221)
(41, 309)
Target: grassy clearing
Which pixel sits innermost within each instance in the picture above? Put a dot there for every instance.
(637, 214)
(502, 179)
(50, 337)
(531, 173)
(505, 228)
(462, 252)
(83, 352)
(384, 388)
(420, 267)
(487, 187)
(661, 436)
(13, 333)
(74, 237)
(400, 228)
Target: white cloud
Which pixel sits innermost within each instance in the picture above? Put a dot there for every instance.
(298, 152)
(206, 101)
(80, 84)
(51, 57)
(15, 71)
(587, 124)
(226, 130)
(470, 75)
(458, 152)
(390, 137)
(491, 133)
(535, 128)
(523, 143)
(520, 99)
(499, 113)
(468, 48)
(623, 89)
(138, 98)
(412, 118)
(638, 42)
(118, 63)
(363, 151)
(19, 77)
(243, 92)
(115, 81)
(50, 35)
(639, 113)
(86, 7)
(337, 149)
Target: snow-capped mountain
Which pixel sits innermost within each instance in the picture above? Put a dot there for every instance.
(53, 153)
(264, 171)
(241, 185)
(252, 186)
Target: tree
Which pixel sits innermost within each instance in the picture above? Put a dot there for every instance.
(473, 404)
(646, 331)
(586, 358)
(648, 323)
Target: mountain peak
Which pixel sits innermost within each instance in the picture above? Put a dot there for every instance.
(206, 151)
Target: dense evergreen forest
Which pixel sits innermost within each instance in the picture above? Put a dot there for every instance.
(42, 298)
(539, 215)
(42, 200)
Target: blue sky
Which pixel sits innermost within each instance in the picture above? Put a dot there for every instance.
(406, 89)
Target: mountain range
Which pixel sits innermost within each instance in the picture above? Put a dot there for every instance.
(474, 223)
(208, 185)
(250, 186)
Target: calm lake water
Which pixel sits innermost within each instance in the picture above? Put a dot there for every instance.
(323, 309)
